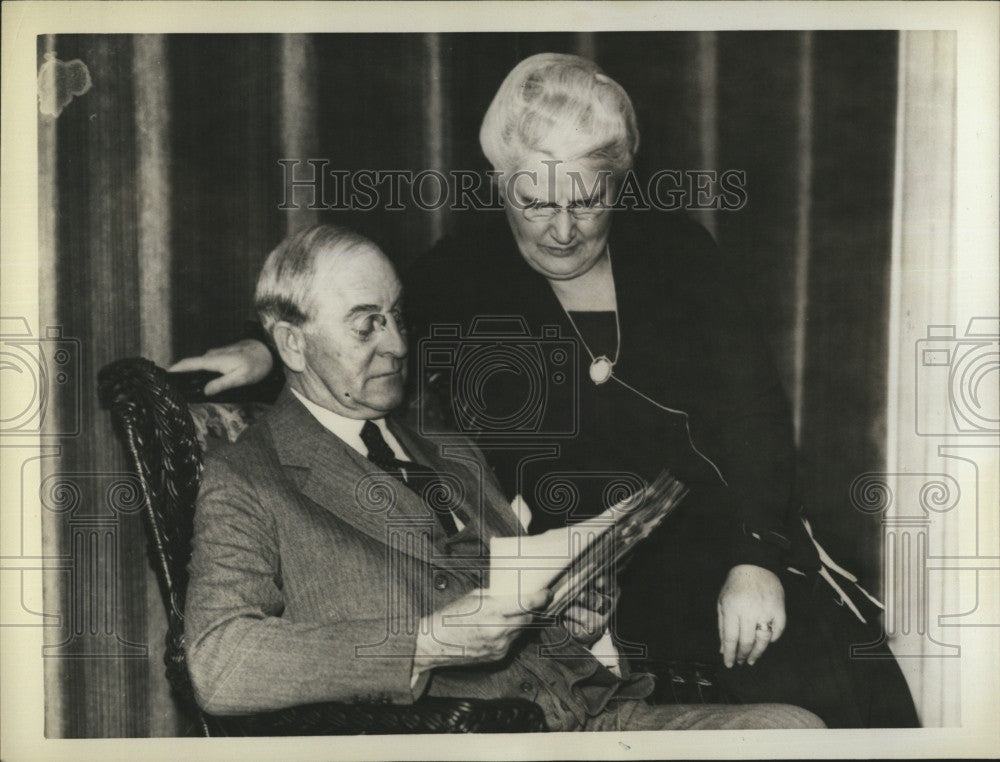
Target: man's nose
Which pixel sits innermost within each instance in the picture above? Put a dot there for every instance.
(393, 339)
(562, 228)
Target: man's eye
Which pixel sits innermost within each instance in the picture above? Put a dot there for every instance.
(366, 327)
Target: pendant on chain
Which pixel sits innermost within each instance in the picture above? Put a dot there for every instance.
(601, 369)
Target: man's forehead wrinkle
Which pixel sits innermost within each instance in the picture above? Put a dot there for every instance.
(366, 293)
(356, 281)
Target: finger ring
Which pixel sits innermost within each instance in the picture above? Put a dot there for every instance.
(769, 627)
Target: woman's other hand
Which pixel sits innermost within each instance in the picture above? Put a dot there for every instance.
(751, 612)
(245, 362)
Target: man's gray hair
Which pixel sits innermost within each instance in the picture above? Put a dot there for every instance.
(285, 285)
(562, 105)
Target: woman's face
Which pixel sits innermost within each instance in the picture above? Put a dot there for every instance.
(555, 212)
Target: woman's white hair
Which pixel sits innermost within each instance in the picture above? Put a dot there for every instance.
(562, 105)
(285, 286)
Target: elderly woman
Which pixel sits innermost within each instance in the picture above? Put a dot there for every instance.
(649, 362)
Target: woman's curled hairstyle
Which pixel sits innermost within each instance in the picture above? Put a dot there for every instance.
(564, 106)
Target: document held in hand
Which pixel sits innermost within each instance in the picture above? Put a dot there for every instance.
(570, 558)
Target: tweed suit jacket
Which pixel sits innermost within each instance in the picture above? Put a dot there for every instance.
(311, 569)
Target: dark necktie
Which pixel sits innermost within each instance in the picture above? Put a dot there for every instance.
(419, 478)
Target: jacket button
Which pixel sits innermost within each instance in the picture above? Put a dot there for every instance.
(527, 686)
(440, 582)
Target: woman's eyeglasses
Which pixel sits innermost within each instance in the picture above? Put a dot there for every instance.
(578, 210)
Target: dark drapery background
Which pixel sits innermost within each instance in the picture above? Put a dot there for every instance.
(166, 185)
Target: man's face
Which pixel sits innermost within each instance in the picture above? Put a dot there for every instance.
(555, 215)
(355, 341)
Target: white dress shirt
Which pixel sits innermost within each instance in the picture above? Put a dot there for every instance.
(349, 429)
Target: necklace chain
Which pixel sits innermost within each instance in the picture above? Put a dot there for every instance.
(611, 377)
(594, 360)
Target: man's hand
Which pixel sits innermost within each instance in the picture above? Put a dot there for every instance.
(587, 617)
(477, 627)
(245, 362)
(751, 612)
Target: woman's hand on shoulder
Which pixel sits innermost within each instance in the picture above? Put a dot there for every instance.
(243, 363)
(751, 611)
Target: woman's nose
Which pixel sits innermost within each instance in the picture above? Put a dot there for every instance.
(563, 226)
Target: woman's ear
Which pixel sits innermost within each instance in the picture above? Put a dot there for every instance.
(290, 342)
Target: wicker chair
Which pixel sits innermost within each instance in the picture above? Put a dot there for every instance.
(151, 411)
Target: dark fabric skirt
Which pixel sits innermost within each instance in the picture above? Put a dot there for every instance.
(667, 614)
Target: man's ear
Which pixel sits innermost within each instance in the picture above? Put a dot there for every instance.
(290, 341)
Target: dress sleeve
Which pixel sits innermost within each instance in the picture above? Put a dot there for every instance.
(748, 421)
(437, 291)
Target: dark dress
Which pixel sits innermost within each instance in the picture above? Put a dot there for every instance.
(571, 448)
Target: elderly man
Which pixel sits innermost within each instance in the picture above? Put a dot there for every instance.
(320, 573)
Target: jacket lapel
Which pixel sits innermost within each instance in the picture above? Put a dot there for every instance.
(484, 503)
(334, 475)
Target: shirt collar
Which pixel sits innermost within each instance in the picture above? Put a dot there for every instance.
(349, 429)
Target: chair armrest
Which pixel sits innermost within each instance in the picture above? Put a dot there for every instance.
(429, 715)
